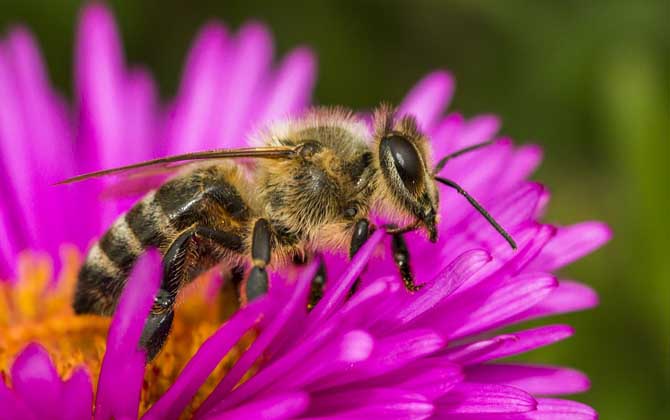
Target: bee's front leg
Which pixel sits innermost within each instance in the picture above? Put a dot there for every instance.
(401, 258)
(361, 234)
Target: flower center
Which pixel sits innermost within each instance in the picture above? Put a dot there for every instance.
(35, 308)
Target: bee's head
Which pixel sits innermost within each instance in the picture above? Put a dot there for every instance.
(406, 189)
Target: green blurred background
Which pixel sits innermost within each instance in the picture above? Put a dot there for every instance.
(587, 80)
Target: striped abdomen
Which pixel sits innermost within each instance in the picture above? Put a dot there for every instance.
(206, 197)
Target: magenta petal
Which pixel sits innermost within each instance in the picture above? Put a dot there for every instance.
(210, 353)
(428, 99)
(275, 407)
(279, 321)
(477, 130)
(99, 73)
(77, 396)
(390, 353)
(248, 70)
(555, 409)
(520, 342)
(479, 399)
(569, 296)
(328, 303)
(537, 380)
(371, 403)
(36, 381)
(122, 368)
(492, 310)
(291, 90)
(9, 245)
(446, 282)
(572, 243)
(12, 406)
(201, 91)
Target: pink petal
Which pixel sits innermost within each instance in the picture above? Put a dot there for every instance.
(333, 297)
(389, 354)
(477, 130)
(476, 313)
(77, 396)
(277, 325)
(122, 368)
(36, 381)
(554, 409)
(208, 356)
(569, 296)
(100, 87)
(447, 281)
(371, 403)
(572, 243)
(275, 407)
(428, 99)
(248, 70)
(12, 406)
(537, 380)
(201, 91)
(292, 87)
(512, 344)
(481, 399)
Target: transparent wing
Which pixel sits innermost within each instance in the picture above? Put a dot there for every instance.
(166, 165)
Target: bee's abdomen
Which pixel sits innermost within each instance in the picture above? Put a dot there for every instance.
(109, 262)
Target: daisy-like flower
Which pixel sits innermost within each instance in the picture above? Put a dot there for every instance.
(381, 353)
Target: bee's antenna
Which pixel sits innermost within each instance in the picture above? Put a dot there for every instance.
(479, 208)
(444, 160)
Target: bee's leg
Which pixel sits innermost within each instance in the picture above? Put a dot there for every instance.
(401, 257)
(316, 288)
(175, 265)
(257, 283)
(360, 236)
(229, 295)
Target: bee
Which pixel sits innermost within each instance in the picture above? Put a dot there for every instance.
(311, 185)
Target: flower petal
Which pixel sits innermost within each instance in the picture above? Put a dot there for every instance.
(248, 69)
(36, 381)
(333, 297)
(535, 379)
(510, 344)
(210, 353)
(428, 99)
(389, 354)
(569, 296)
(554, 409)
(371, 403)
(12, 406)
(275, 407)
(279, 322)
(447, 281)
(77, 396)
(481, 399)
(122, 368)
(479, 312)
(572, 243)
(291, 89)
(201, 90)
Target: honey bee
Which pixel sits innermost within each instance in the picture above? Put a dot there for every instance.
(311, 186)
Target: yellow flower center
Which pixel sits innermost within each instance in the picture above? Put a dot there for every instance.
(35, 308)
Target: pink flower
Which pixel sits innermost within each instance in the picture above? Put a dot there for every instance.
(383, 352)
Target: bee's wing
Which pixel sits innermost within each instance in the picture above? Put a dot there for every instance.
(166, 165)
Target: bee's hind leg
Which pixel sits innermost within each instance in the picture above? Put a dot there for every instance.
(175, 265)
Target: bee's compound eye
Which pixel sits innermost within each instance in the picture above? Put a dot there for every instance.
(406, 160)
